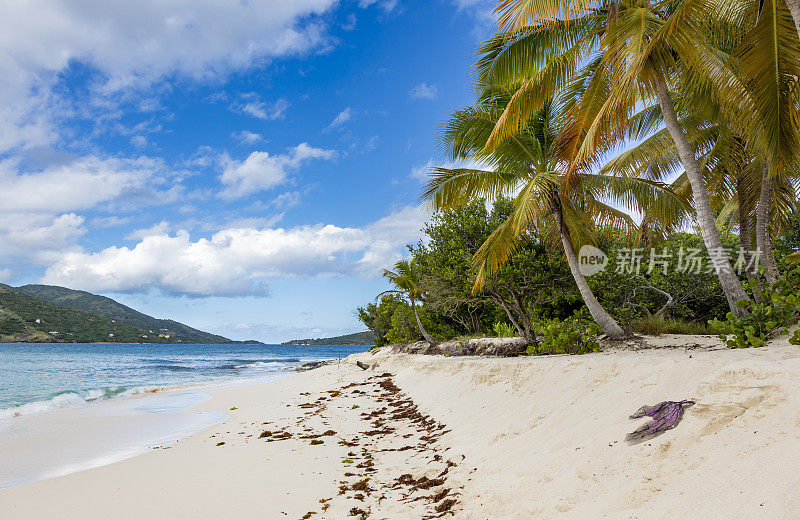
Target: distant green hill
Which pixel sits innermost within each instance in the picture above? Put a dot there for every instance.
(25, 318)
(359, 338)
(122, 314)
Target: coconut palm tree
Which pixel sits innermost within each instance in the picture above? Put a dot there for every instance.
(766, 62)
(561, 207)
(518, 13)
(732, 173)
(409, 285)
(641, 50)
(758, 67)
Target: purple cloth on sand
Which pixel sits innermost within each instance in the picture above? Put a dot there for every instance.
(666, 415)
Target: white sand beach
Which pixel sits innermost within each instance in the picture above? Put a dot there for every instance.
(469, 438)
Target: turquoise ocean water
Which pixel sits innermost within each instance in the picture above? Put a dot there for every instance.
(37, 377)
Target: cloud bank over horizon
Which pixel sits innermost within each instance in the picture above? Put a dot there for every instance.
(239, 261)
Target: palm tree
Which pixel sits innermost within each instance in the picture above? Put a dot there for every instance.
(518, 13)
(756, 68)
(641, 50)
(766, 61)
(560, 206)
(733, 174)
(408, 284)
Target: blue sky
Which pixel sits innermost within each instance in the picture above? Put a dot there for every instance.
(246, 168)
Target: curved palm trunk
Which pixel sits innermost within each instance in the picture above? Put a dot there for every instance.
(763, 240)
(708, 229)
(422, 330)
(609, 325)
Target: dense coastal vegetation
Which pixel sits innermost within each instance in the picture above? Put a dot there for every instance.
(108, 308)
(40, 313)
(660, 139)
(357, 338)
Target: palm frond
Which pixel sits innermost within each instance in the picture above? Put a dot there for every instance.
(452, 187)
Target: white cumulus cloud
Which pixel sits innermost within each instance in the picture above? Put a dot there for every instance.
(262, 171)
(239, 261)
(76, 184)
(39, 239)
(38, 206)
(156, 229)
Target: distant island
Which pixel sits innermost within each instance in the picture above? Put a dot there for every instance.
(48, 313)
(359, 338)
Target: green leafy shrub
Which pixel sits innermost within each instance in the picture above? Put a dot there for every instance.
(795, 339)
(403, 327)
(779, 307)
(504, 330)
(392, 320)
(575, 335)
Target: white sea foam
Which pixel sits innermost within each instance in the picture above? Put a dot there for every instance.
(59, 401)
(262, 364)
(93, 395)
(72, 399)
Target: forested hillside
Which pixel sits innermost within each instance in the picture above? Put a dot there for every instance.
(25, 318)
(108, 308)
